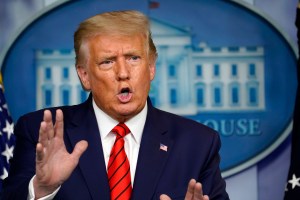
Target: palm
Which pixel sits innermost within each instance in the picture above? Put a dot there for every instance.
(54, 164)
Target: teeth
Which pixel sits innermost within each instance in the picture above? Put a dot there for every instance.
(124, 93)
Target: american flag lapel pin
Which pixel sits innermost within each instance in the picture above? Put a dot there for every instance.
(163, 147)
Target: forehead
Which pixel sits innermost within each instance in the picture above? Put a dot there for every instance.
(107, 43)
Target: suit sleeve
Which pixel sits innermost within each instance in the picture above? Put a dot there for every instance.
(211, 179)
(22, 165)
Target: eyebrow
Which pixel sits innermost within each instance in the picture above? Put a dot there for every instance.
(113, 55)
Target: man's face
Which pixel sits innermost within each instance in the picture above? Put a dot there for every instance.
(118, 72)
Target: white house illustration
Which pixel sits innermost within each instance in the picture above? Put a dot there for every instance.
(189, 79)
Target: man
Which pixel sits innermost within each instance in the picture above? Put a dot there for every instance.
(165, 157)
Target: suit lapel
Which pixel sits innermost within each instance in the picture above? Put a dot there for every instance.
(92, 165)
(151, 159)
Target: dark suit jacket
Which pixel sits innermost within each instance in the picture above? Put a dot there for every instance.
(192, 153)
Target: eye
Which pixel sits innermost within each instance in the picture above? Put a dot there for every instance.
(106, 64)
(134, 58)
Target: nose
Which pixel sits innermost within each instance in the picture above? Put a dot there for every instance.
(122, 70)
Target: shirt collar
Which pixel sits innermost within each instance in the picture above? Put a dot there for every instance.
(135, 124)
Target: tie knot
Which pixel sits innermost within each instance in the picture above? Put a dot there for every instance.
(121, 129)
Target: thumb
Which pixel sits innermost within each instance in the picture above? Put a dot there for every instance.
(80, 147)
(164, 197)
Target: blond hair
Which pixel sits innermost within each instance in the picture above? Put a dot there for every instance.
(128, 22)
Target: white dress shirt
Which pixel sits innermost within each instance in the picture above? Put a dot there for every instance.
(105, 125)
(132, 140)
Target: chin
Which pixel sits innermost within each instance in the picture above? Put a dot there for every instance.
(128, 110)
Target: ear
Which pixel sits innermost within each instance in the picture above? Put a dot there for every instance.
(83, 76)
(152, 68)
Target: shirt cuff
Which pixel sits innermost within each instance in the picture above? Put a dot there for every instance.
(31, 192)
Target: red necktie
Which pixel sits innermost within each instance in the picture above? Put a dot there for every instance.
(118, 169)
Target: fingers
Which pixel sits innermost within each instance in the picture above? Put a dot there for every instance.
(198, 194)
(205, 197)
(39, 152)
(48, 131)
(45, 127)
(48, 124)
(59, 124)
(195, 192)
(45, 132)
(164, 197)
(79, 149)
(190, 190)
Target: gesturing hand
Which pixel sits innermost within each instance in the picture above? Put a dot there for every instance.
(54, 164)
(194, 192)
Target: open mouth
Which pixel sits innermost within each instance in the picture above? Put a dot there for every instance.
(125, 95)
(125, 91)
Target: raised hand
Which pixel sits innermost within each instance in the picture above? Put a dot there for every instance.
(54, 164)
(194, 192)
